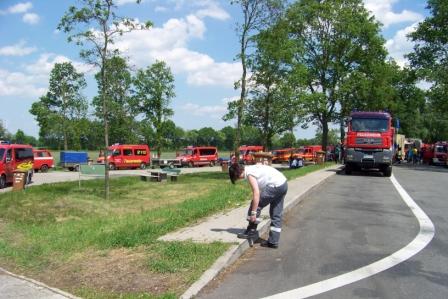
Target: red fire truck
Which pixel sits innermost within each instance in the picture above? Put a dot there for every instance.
(15, 157)
(247, 151)
(127, 156)
(369, 142)
(198, 156)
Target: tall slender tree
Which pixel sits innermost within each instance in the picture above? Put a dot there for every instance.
(60, 109)
(95, 26)
(154, 90)
(257, 15)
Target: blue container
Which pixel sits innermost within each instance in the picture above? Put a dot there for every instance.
(73, 157)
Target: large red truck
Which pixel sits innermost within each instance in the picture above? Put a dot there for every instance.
(15, 157)
(369, 142)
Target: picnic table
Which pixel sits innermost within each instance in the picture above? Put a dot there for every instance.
(160, 175)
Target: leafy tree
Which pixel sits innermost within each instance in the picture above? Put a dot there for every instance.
(21, 138)
(4, 134)
(228, 137)
(430, 60)
(287, 140)
(208, 136)
(95, 25)
(331, 40)
(272, 105)
(257, 15)
(154, 89)
(58, 111)
(122, 109)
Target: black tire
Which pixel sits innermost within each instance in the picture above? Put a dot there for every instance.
(2, 181)
(191, 164)
(212, 163)
(143, 166)
(71, 168)
(43, 168)
(112, 166)
(387, 171)
(348, 169)
(171, 165)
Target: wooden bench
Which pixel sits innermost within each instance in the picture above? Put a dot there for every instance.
(159, 176)
(172, 173)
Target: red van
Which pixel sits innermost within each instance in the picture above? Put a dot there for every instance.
(15, 157)
(43, 160)
(127, 156)
(246, 153)
(198, 156)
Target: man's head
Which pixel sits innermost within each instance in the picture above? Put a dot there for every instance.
(235, 172)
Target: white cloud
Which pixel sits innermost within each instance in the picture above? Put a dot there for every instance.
(31, 18)
(19, 84)
(18, 8)
(210, 111)
(169, 43)
(123, 2)
(212, 10)
(400, 45)
(160, 9)
(383, 12)
(33, 81)
(18, 49)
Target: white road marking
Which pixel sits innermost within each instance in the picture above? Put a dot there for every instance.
(423, 238)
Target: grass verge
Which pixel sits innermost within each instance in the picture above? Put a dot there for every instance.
(73, 239)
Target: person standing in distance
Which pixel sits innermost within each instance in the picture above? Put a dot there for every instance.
(269, 187)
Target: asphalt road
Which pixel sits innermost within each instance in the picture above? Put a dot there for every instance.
(348, 223)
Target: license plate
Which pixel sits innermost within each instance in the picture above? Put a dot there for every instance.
(368, 156)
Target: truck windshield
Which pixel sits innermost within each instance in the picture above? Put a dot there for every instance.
(188, 152)
(2, 153)
(441, 149)
(369, 125)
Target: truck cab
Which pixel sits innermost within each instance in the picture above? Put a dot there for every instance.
(369, 143)
(247, 151)
(15, 157)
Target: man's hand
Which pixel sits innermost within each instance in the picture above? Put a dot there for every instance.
(253, 218)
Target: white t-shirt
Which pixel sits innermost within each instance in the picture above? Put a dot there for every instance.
(265, 175)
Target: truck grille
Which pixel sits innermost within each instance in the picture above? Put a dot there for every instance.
(368, 141)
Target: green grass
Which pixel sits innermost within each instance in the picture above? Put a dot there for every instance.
(48, 226)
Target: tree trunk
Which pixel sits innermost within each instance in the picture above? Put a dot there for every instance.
(324, 134)
(241, 103)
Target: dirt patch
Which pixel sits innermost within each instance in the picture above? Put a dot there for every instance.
(115, 271)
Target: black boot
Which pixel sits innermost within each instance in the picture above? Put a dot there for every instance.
(249, 234)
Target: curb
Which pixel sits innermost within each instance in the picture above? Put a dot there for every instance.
(40, 284)
(235, 251)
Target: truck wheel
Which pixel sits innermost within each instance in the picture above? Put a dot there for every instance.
(387, 171)
(191, 164)
(112, 167)
(212, 163)
(44, 168)
(143, 166)
(348, 169)
(2, 181)
(171, 165)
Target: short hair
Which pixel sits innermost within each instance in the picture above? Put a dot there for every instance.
(235, 171)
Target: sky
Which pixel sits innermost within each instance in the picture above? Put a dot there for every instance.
(196, 38)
